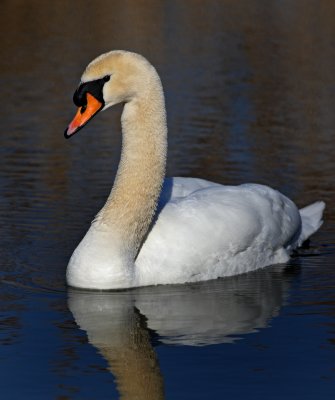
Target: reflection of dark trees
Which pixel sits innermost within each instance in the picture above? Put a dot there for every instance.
(292, 101)
(10, 309)
(8, 327)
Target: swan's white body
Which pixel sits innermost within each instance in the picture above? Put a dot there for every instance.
(201, 230)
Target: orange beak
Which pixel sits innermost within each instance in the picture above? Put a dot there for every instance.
(84, 114)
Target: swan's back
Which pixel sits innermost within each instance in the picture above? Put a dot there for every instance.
(207, 230)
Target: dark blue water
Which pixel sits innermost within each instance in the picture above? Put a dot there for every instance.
(250, 90)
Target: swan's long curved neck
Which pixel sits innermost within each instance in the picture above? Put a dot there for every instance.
(132, 202)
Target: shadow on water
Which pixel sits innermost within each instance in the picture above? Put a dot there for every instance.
(125, 326)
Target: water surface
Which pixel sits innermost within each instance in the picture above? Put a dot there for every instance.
(250, 90)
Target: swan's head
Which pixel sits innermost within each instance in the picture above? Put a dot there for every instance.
(112, 78)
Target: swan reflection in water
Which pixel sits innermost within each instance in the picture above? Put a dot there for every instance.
(122, 324)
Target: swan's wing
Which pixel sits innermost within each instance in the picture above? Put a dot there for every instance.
(217, 231)
(178, 187)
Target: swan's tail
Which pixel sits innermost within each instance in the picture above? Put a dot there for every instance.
(311, 218)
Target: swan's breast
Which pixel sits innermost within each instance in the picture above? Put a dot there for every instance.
(100, 261)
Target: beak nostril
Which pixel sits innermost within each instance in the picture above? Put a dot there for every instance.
(83, 109)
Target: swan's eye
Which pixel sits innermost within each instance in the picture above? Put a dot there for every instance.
(106, 78)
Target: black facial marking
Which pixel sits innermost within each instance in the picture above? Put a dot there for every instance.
(92, 87)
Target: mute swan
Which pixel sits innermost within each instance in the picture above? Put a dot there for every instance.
(201, 230)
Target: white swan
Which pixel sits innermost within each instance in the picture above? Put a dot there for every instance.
(201, 230)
